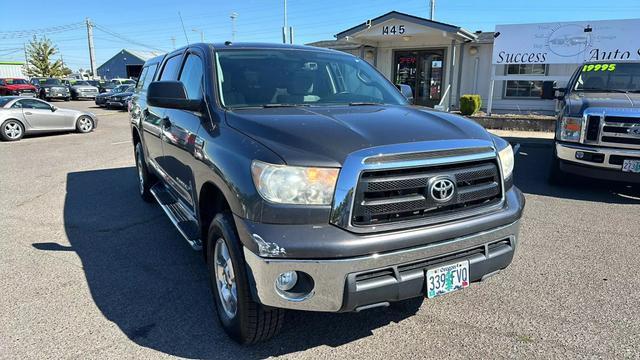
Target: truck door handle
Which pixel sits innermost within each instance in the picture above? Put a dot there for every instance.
(28, 113)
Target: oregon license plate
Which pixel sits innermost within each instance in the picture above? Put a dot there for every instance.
(631, 166)
(447, 278)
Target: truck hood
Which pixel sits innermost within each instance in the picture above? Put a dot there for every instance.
(579, 101)
(78, 87)
(324, 136)
(15, 87)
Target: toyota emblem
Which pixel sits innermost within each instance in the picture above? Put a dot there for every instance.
(442, 189)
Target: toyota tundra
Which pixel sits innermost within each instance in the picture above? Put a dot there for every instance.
(310, 183)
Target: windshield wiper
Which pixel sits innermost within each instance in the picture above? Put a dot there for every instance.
(606, 90)
(364, 103)
(282, 105)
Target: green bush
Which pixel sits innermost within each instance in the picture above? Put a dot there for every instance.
(470, 104)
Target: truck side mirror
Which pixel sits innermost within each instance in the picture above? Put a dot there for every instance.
(548, 90)
(171, 95)
(406, 91)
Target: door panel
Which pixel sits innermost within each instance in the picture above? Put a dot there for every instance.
(40, 117)
(180, 131)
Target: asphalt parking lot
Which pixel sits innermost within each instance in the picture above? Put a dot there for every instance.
(88, 270)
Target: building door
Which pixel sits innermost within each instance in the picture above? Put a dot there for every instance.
(423, 71)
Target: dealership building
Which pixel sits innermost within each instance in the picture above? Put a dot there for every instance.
(507, 67)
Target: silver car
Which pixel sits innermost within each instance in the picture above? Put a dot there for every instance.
(82, 90)
(20, 116)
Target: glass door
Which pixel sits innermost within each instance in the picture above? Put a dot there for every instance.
(423, 70)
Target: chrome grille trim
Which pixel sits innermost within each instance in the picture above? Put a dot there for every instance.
(355, 164)
(614, 127)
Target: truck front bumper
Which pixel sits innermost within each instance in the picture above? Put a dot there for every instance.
(355, 283)
(596, 162)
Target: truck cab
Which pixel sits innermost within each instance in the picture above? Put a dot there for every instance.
(598, 123)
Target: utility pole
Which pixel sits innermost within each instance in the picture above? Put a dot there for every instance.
(432, 13)
(201, 34)
(233, 17)
(92, 55)
(284, 27)
(173, 41)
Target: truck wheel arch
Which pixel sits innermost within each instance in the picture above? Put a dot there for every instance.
(211, 201)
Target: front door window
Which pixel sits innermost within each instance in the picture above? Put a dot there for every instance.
(422, 70)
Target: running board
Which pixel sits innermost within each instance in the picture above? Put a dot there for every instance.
(181, 218)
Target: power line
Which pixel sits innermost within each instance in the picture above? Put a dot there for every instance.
(124, 38)
(19, 34)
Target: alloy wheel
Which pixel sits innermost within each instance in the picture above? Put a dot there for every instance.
(13, 130)
(85, 124)
(225, 279)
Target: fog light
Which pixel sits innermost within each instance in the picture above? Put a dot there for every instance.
(287, 280)
(579, 155)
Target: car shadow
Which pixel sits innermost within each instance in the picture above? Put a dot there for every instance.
(532, 164)
(146, 280)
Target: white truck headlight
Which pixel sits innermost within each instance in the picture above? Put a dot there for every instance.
(294, 184)
(506, 161)
(570, 128)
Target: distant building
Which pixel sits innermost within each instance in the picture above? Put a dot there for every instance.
(125, 64)
(12, 69)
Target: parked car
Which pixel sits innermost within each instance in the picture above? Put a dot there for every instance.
(121, 99)
(310, 183)
(101, 99)
(50, 88)
(118, 81)
(18, 87)
(81, 89)
(20, 116)
(598, 126)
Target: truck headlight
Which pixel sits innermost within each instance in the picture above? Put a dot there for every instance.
(294, 184)
(506, 161)
(46, 89)
(570, 128)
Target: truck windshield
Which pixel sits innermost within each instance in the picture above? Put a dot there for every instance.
(53, 82)
(83, 83)
(286, 77)
(609, 77)
(16, 81)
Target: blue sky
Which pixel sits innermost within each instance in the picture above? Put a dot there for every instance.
(154, 23)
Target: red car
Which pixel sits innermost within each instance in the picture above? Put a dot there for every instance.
(19, 87)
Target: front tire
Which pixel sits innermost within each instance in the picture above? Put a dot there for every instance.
(84, 124)
(12, 130)
(556, 175)
(66, 99)
(144, 178)
(244, 320)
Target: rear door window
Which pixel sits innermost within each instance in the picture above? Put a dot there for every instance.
(151, 71)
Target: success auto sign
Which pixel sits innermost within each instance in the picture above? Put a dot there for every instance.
(567, 42)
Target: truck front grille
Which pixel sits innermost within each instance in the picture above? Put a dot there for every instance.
(386, 196)
(619, 131)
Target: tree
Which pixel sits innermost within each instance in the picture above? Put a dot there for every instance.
(40, 52)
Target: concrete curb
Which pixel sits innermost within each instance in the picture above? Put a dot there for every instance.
(516, 124)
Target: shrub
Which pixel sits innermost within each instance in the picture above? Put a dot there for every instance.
(470, 104)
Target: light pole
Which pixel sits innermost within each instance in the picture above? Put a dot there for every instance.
(201, 34)
(233, 17)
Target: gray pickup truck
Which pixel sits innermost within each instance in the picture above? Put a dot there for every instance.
(598, 127)
(310, 183)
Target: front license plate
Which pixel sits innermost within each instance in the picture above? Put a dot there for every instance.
(631, 166)
(447, 278)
